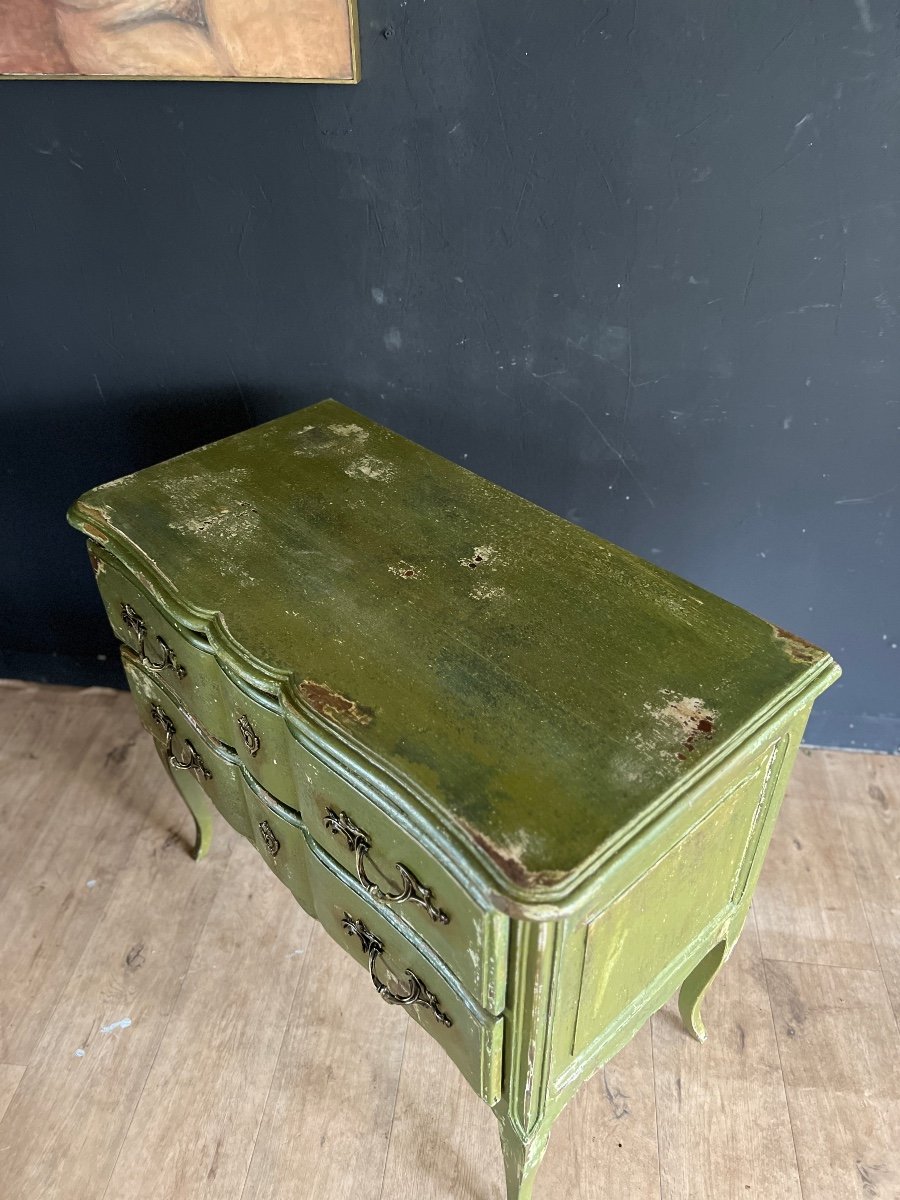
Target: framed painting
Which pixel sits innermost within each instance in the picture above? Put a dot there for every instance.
(300, 41)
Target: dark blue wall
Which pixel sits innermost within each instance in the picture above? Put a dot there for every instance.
(636, 260)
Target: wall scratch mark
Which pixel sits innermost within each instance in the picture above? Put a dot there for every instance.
(840, 300)
(750, 274)
(494, 90)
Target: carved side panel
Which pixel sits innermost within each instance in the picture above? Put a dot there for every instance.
(644, 930)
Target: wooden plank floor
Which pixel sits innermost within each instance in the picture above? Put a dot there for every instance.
(179, 1030)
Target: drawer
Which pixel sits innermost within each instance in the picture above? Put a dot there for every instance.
(192, 758)
(262, 740)
(179, 659)
(400, 873)
(245, 719)
(278, 833)
(403, 877)
(406, 975)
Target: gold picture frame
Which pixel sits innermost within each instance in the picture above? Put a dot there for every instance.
(270, 41)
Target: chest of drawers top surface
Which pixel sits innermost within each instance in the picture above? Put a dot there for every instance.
(531, 690)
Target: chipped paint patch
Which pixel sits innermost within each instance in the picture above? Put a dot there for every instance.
(99, 512)
(487, 591)
(370, 468)
(405, 570)
(797, 648)
(509, 862)
(125, 1023)
(356, 432)
(332, 704)
(687, 716)
(481, 556)
(339, 438)
(225, 524)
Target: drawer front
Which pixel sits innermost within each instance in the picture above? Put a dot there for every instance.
(260, 735)
(397, 871)
(190, 756)
(246, 720)
(405, 976)
(404, 878)
(179, 659)
(278, 833)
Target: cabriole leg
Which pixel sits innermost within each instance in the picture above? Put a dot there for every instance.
(522, 1159)
(695, 987)
(195, 798)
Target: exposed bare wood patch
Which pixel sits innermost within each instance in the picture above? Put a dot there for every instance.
(797, 648)
(332, 704)
(690, 717)
(405, 570)
(370, 468)
(350, 431)
(480, 556)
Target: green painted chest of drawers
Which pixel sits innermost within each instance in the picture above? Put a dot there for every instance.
(525, 778)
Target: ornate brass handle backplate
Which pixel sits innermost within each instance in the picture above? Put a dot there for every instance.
(360, 844)
(135, 622)
(249, 736)
(272, 843)
(418, 993)
(189, 759)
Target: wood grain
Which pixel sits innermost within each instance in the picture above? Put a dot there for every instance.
(867, 795)
(101, 1037)
(260, 1064)
(336, 1080)
(431, 1157)
(10, 1077)
(196, 1124)
(839, 1052)
(724, 1128)
(60, 872)
(808, 906)
(608, 1132)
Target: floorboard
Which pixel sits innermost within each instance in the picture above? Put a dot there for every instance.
(178, 1030)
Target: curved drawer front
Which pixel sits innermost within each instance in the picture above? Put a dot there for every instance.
(403, 975)
(190, 756)
(248, 721)
(404, 878)
(179, 659)
(397, 871)
(278, 833)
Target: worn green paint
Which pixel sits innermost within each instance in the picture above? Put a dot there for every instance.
(322, 547)
(580, 754)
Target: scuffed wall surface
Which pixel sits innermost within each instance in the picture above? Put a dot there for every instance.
(637, 260)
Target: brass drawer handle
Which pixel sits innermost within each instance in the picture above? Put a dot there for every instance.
(360, 844)
(249, 736)
(189, 759)
(272, 843)
(418, 993)
(135, 622)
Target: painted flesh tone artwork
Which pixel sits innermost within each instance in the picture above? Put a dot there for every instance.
(312, 40)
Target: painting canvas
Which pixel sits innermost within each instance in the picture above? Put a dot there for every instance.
(299, 40)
